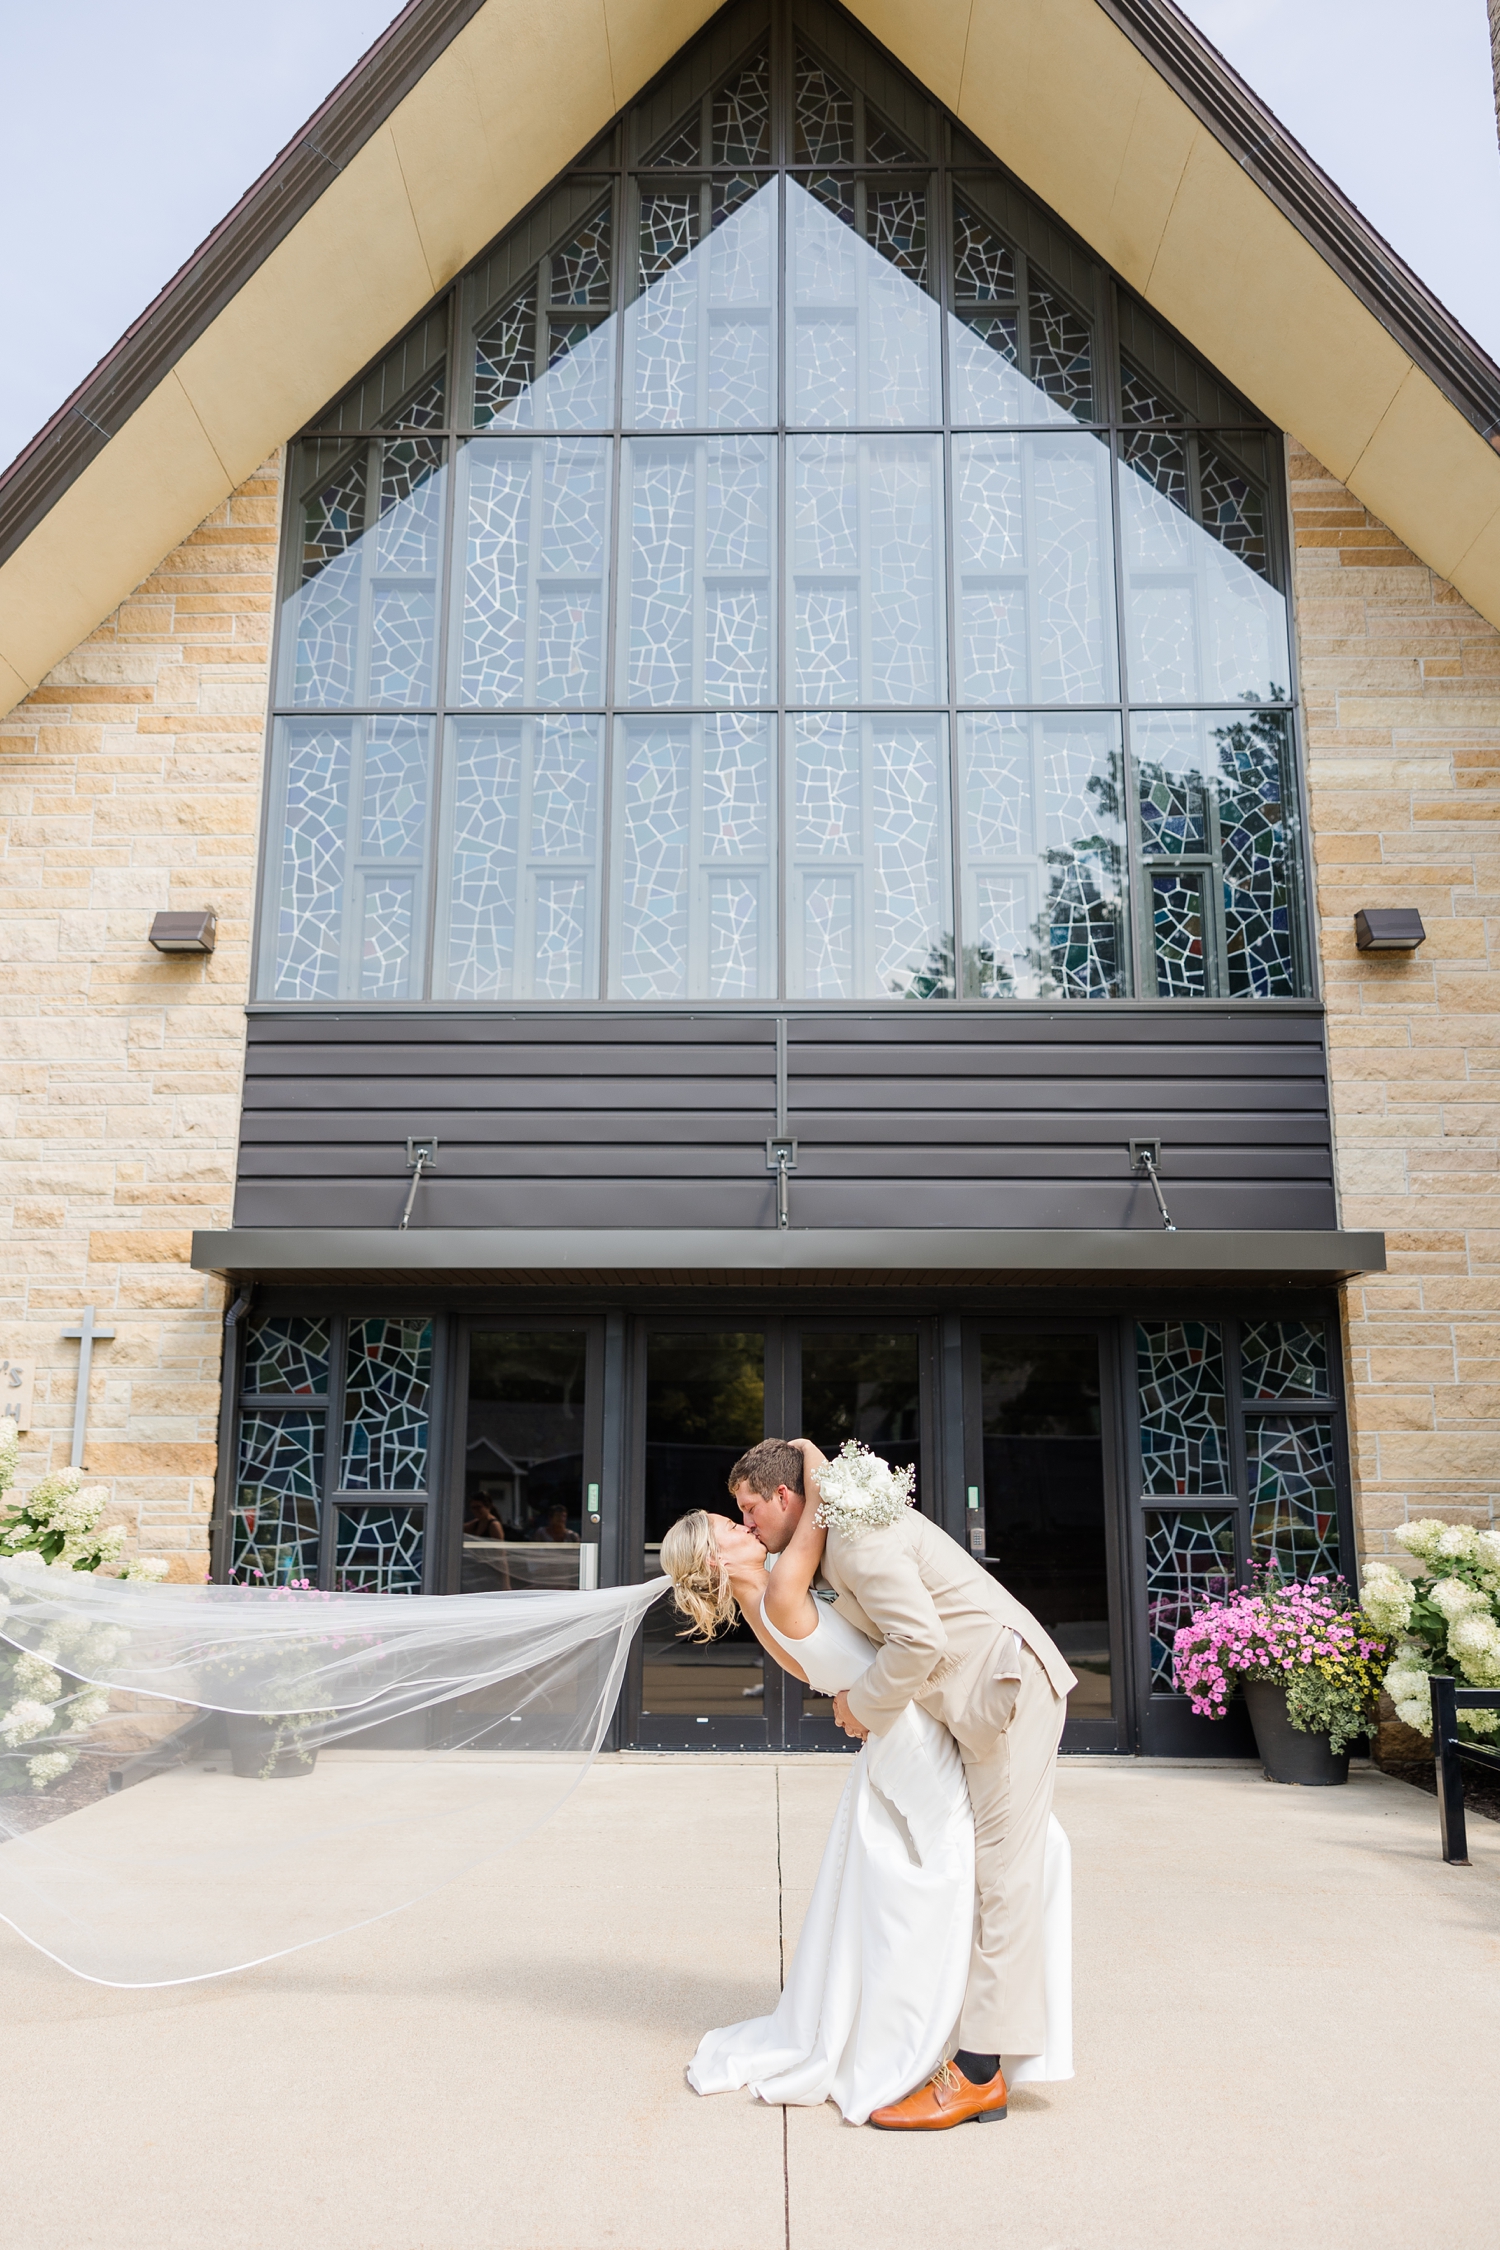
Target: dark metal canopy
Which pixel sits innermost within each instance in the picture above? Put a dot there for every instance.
(895, 1254)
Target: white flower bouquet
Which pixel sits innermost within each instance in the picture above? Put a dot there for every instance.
(1445, 1620)
(857, 1491)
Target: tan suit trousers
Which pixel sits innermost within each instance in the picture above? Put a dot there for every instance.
(1005, 2008)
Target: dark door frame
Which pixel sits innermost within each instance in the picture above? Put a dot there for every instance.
(449, 1491)
(1118, 1733)
(786, 1728)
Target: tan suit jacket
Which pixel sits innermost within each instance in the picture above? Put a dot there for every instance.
(938, 1618)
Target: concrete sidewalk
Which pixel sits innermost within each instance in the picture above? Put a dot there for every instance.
(1287, 2031)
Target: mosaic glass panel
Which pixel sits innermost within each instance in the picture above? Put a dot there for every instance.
(681, 147)
(524, 808)
(1283, 1359)
(989, 383)
(823, 128)
(379, 1550)
(546, 358)
(866, 560)
(1032, 553)
(740, 117)
(668, 229)
(1293, 1494)
(698, 337)
(1178, 935)
(1141, 401)
(1219, 785)
(385, 940)
(390, 844)
(1043, 858)
(1202, 624)
(883, 146)
(327, 608)
(1257, 853)
(695, 810)
(387, 1380)
(317, 757)
(534, 558)
(656, 807)
(984, 266)
(580, 270)
(1061, 352)
(287, 1352)
(505, 359)
(1189, 1563)
(278, 1492)
(697, 625)
(1180, 1371)
(1160, 456)
(871, 915)
(483, 851)
(366, 607)
(897, 220)
(1234, 508)
(425, 411)
(863, 335)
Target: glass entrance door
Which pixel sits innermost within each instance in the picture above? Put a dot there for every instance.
(866, 1383)
(704, 1397)
(1037, 1494)
(530, 1474)
(704, 1394)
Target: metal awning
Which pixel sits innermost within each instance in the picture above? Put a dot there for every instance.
(899, 1253)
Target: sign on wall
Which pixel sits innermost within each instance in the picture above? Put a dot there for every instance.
(17, 1377)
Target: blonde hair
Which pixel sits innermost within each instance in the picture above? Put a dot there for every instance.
(700, 1583)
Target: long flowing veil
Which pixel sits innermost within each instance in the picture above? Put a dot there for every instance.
(195, 1779)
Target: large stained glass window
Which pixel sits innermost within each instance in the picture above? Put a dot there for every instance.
(784, 565)
(331, 1479)
(1238, 1422)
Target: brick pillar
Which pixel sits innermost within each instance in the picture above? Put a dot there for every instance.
(1495, 55)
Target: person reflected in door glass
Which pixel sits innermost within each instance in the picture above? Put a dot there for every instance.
(555, 1530)
(482, 1522)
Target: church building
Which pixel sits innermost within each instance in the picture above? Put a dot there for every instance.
(758, 721)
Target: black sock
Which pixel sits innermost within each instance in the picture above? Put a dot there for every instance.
(978, 2069)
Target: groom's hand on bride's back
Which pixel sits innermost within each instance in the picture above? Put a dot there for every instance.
(845, 1718)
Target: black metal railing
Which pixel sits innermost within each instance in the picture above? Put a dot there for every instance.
(1448, 1699)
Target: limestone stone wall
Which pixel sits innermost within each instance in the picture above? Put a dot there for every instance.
(130, 781)
(1401, 686)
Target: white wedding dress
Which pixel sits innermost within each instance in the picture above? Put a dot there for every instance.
(877, 1982)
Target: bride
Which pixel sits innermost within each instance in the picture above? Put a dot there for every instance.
(876, 1987)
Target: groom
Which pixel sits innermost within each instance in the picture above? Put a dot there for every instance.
(954, 1641)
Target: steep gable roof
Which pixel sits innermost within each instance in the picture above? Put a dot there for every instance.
(1117, 113)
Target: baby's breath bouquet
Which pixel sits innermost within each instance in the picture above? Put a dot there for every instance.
(1445, 1620)
(860, 1492)
(55, 1527)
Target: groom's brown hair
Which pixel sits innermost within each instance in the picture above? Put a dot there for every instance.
(767, 1465)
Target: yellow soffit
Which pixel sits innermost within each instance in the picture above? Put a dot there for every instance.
(1053, 87)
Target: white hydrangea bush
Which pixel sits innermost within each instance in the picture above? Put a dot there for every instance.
(1446, 1619)
(56, 1527)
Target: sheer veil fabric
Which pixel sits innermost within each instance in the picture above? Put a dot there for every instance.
(420, 1737)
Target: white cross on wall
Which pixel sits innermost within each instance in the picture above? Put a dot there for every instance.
(86, 1335)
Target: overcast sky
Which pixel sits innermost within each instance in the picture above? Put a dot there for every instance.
(132, 129)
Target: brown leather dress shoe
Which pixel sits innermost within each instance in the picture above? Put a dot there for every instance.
(947, 2099)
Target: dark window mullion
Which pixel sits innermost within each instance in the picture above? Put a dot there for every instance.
(1239, 1457)
(333, 1445)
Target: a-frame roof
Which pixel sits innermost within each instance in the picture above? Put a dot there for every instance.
(1117, 113)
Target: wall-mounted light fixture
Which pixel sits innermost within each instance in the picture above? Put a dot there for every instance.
(1388, 929)
(185, 933)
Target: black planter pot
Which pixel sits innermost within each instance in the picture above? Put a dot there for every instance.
(252, 1748)
(1286, 1754)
